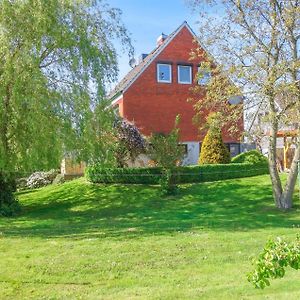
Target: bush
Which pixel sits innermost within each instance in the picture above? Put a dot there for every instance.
(21, 183)
(165, 149)
(252, 156)
(9, 205)
(167, 153)
(188, 174)
(40, 179)
(167, 182)
(59, 179)
(130, 143)
(98, 174)
(213, 150)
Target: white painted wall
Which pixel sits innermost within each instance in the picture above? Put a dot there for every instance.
(192, 153)
(190, 159)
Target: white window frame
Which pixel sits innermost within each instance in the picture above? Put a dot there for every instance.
(178, 73)
(157, 73)
(202, 70)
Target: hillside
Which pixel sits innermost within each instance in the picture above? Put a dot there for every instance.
(126, 242)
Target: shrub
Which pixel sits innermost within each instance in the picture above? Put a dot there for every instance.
(167, 153)
(21, 183)
(130, 142)
(213, 150)
(98, 174)
(59, 179)
(168, 182)
(252, 156)
(9, 205)
(183, 174)
(215, 172)
(165, 149)
(40, 179)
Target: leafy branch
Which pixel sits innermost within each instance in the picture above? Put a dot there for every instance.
(274, 259)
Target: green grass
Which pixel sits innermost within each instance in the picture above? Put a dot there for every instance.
(84, 241)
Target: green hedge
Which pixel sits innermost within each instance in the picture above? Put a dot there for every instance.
(98, 174)
(252, 156)
(188, 174)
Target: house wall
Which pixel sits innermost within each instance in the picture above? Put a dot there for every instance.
(153, 106)
(192, 156)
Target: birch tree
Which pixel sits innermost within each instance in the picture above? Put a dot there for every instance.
(255, 44)
(56, 57)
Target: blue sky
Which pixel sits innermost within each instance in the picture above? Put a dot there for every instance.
(147, 19)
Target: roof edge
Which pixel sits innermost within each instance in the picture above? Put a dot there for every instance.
(174, 34)
(156, 54)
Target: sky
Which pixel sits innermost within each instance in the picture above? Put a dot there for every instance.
(146, 20)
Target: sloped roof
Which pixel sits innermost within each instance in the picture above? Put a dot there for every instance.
(131, 75)
(138, 69)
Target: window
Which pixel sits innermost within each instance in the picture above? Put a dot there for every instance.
(164, 73)
(234, 148)
(203, 76)
(185, 74)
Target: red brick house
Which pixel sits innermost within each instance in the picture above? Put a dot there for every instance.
(157, 89)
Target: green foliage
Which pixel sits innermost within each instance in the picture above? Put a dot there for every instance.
(213, 150)
(167, 153)
(99, 141)
(165, 149)
(183, 174)
(9, 205)
(59, 179)
(251, 58)
(97, 174)
(168, 182)
(252, 156)
(56, 58)
(271, 263)
(130, 142)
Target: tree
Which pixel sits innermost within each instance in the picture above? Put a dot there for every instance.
(213, 150)
(9, 205)
(56, 58)
(165, 150)
(99, 141)
(256, 45)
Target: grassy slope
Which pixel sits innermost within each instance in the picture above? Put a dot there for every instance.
(79, 241)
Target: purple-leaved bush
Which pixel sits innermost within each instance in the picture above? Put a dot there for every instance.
(131, 142)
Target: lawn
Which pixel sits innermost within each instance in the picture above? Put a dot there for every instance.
(84, 241)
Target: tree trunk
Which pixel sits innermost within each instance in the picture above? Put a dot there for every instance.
(276, 182)
(4, 128)
(286, 199)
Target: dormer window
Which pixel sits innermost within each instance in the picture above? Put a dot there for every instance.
(164, 73)
(185, 74)
(204, 76)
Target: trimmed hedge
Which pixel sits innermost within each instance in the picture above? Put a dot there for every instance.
(98, 174)
(188, 174)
